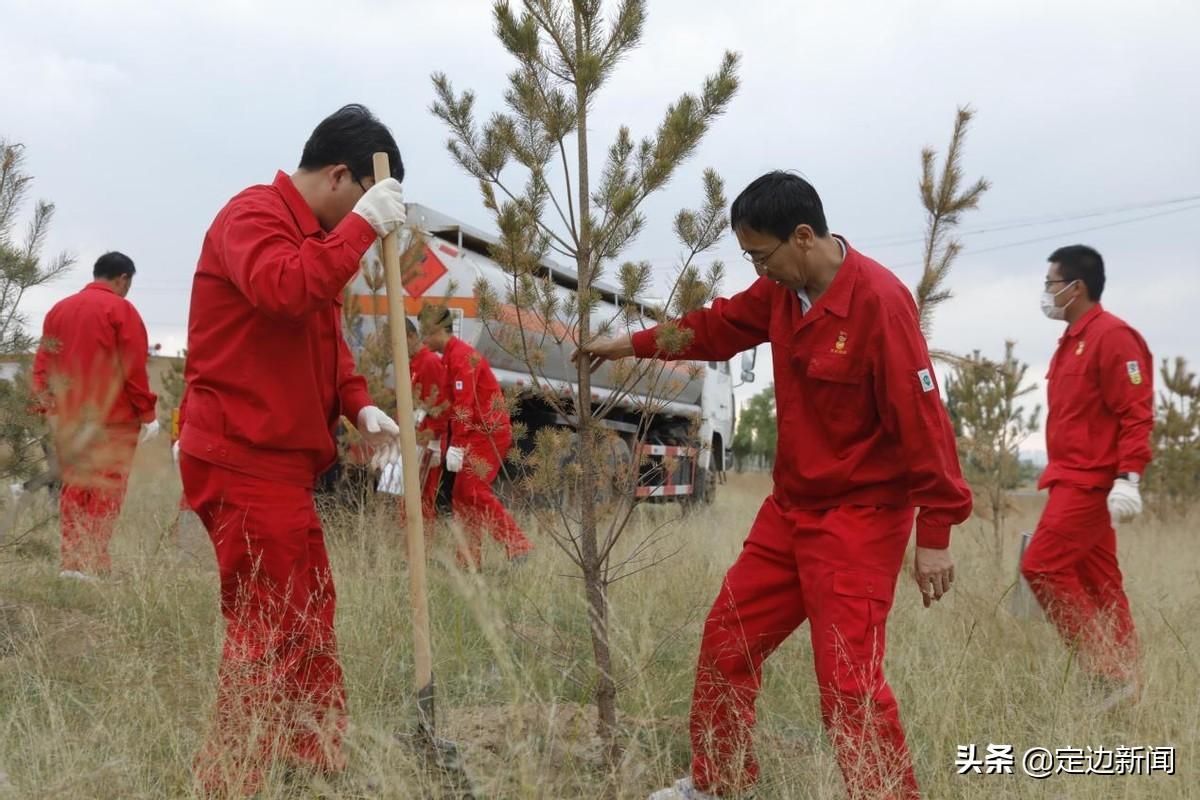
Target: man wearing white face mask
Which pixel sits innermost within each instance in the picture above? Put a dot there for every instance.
(1101, 412)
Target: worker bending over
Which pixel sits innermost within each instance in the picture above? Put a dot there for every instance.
(863, 440)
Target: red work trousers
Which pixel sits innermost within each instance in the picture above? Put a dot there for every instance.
(1071, 565)
(477, 507)
(280, 693)
(93, 490)
(432, 479)
(429, 493)
(836, 568)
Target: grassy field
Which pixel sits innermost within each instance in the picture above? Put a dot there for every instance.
(105, 691)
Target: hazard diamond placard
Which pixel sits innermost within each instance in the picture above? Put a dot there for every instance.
(424, 274)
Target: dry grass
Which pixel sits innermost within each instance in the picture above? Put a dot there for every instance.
(105, 690)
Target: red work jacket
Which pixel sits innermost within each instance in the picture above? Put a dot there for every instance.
(268, 372)
(1101, 403)
(428, 382)
(91, 363)
(860, 418)
(476, 412)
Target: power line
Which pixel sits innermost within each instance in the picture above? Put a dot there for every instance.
(1061, 234)
(885, 241)
(1026, 222)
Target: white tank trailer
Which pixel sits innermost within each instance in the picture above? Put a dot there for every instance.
(693, 432)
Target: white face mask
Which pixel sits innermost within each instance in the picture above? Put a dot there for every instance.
(1050, 309)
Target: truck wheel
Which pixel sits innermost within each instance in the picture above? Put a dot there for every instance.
(568, 489)
(705, 490)
(616, 457)
(613, 457)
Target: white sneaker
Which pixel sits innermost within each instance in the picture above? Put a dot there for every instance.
(1124, 694)
(75, 575)
(683, 789)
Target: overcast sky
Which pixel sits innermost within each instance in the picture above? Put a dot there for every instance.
(142, 118)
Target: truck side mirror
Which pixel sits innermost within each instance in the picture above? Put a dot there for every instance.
(748, 360)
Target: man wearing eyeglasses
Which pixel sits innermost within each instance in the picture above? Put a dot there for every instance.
(863, 440)
(268, 378)
(1098, 426)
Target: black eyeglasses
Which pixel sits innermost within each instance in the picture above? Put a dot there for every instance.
(758, 262)
(356, 179)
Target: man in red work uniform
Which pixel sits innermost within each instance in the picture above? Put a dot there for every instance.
(479, 434)
(428, 378)
(1101, 412)
(90, 376)
(863, 439)
(268, 378)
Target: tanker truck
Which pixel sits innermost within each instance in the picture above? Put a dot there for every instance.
(683, 448)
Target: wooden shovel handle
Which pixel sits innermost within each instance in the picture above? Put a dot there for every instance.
(418, 592)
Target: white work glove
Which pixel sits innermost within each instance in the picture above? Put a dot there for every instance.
(380, 432)
(435, 453)
(149, 431)
(391, 478)
(175, 453)
(418, 417)
(454, 458)
(383, 206)
(1124, 500)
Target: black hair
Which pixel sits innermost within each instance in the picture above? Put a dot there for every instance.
(1078, 262)
(113, 265)
(435, 317)
(777, 203)
(409, 326)
(351, 136)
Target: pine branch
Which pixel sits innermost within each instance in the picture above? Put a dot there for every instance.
(944, 204)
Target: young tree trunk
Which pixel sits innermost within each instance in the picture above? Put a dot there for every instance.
(593, 568)
(998, 519)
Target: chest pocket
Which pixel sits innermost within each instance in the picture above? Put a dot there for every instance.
(839, 386)
(1068, 374)
(1072, 364)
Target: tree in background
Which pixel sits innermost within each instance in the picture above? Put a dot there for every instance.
(757, 432)
(22, 267)
(565, 51)
(945, 200)
(1173, 479)
(990, 423)
(170, 395)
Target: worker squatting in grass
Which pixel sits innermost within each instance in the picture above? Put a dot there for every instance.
(865, 451)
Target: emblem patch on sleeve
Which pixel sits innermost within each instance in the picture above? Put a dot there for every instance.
(458, 386)
(1135, 372)
(926, 380)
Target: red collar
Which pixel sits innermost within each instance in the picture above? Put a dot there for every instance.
(99, 286)
(1076, 328)
(837, 297)
(304, 216)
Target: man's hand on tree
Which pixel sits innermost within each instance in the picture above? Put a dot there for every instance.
(599, 350)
